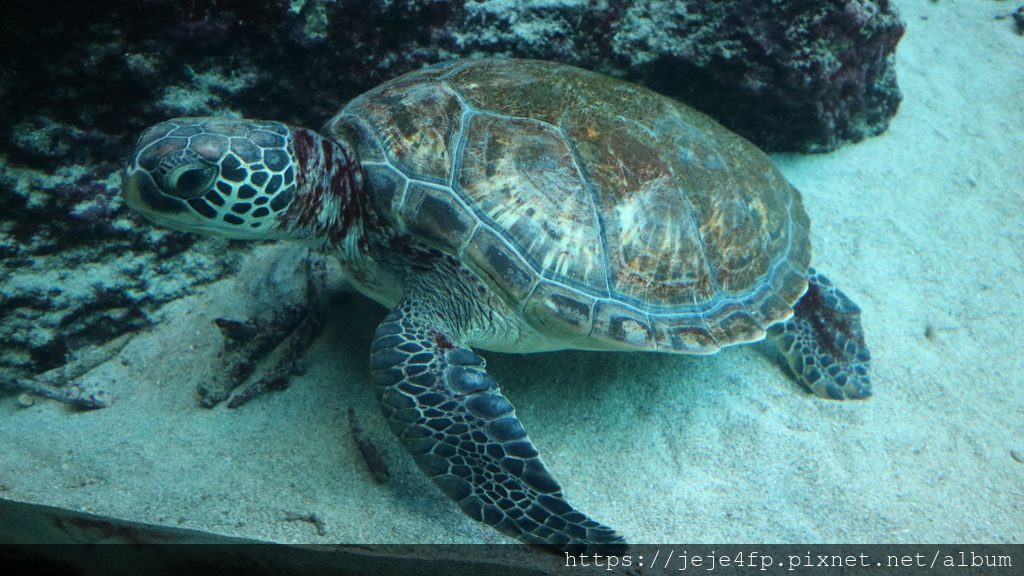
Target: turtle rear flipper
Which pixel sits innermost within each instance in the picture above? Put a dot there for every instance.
(464, 434)
(824, 342)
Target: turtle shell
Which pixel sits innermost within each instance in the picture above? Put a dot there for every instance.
(609, 216)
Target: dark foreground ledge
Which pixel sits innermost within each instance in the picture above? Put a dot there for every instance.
(43, 540)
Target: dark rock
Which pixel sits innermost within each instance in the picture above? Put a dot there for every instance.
(806, 75)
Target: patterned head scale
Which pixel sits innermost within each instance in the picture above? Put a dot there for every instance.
(219, 176)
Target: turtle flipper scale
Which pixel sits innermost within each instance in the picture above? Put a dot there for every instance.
(463, 433)
(824, 342)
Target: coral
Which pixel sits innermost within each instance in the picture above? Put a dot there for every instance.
(368, 450)
(62, 383)
(265, 351)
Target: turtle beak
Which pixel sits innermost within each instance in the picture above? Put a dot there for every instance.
(140, 192)
(131, 188)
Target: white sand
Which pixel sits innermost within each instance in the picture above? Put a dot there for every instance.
(923, 227)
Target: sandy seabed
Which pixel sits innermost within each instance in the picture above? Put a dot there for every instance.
(922, 226)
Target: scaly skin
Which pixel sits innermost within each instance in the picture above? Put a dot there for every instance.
(824, 342)
(463, 433)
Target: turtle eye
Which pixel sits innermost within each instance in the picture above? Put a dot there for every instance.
(190, 180)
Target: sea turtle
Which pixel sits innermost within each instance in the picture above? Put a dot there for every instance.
(519, 206)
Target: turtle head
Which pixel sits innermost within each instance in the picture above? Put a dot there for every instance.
(246, 179)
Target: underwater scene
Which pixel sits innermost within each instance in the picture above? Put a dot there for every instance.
(748, 273)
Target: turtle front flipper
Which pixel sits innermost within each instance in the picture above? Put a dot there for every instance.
(824, 342)
(464, 434)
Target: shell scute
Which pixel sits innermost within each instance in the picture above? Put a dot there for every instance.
(429, 213)
(731, 323)
(561, 310)
(417, 125)
(496, 260)
(390, 187)
(527, 90)
(770, 308)
(685, 333)
(790, 283)
(519, 174)
(617, 326)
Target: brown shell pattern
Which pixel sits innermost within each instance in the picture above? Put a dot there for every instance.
(610, 216)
